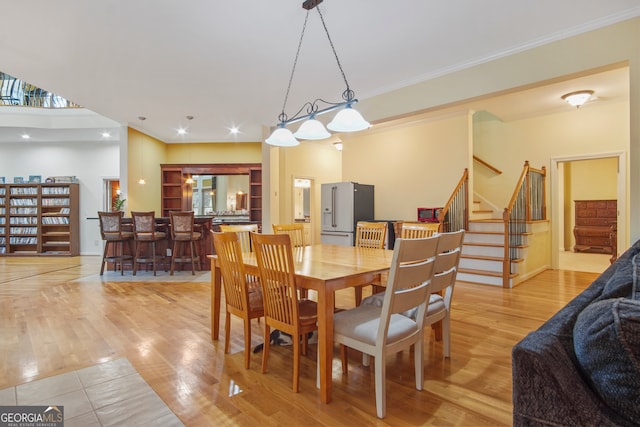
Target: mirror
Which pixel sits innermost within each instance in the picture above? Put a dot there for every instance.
(302, 199)
(221, 195)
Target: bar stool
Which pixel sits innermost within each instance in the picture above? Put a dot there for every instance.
(145, 235)
(114, 237)
(183, 234)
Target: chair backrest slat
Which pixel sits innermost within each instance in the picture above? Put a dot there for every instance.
(295, 232)
(412, 269)
(232, 269)
(243, 231)
(418, 230)
(371, 234)
(277, 275)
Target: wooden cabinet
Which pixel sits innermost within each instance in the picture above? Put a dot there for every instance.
(172, 190)
(39, 219)
(177, 194)
(595, 226)
(255, 204)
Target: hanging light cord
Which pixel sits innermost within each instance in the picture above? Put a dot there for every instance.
(283, 116)
(348, 94)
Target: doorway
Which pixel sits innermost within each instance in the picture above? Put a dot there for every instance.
(613, 186)
(302, 202)
(113, 199)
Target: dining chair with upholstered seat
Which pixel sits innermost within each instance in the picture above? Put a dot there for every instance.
(114, 237)
(243, 231)
(146, 237)
(295, 232)
(243, 298)
(442, 285)
(418, 230)
(444, 280)
(283, 309)
(183, 235)
(380, 330)
(370, 235)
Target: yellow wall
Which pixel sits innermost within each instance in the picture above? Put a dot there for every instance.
(413, 166)
(586, 131)
(317, 161)
(246, 152)
(145, 154)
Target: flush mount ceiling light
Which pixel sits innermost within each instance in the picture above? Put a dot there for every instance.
(347, 120)
(577, 98)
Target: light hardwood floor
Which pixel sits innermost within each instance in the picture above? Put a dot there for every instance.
(57, 315)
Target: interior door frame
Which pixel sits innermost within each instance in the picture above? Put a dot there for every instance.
(557, 200)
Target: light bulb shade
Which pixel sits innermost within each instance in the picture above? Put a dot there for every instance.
(312, 129)
(282, 137)
(578, 98)
(141, 181)
(348, 120)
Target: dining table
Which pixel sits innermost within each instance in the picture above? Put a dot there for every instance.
(325, 269)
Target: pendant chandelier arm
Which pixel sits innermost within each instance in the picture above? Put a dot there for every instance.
(348, 94)
(283, 116)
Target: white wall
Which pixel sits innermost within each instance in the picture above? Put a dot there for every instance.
(90, 162)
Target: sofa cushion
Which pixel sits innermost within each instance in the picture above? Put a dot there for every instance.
(607, 346)
(620, 284)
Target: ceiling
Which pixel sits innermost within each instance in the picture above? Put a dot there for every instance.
(228, 63)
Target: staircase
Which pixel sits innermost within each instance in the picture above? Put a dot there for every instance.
(482, 258)
(523, 226)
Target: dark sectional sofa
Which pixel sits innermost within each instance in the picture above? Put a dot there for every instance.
(581, 367)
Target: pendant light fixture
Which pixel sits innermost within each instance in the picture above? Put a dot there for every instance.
(141, 181)
(347, 120)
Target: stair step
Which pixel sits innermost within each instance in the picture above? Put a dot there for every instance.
(489, 258)
(499, 233)
(485, 273)
(491, 245)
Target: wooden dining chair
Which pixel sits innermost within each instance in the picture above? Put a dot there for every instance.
(184, 235)
(243, 294)
(295, 232)
(114, 237)
(442, 285)
(283, 309)
(418, 230)
(243, 231)
(444, 280)
(370, 235)
(380, 330)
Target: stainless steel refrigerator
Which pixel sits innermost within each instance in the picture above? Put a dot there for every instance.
(343, 204)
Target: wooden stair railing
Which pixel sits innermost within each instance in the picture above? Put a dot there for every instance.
(528, 203)
(454, 215)
(487, 165)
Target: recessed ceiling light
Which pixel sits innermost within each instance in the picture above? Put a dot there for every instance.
(25, 136)
(234, 130)
(106, 135)
(182, 131)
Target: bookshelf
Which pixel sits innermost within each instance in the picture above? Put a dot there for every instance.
(39, 219)
(255, 190)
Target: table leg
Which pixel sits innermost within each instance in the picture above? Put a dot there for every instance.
(326, 304)
(216, 283)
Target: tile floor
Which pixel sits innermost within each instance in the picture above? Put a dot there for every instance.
(109, 394)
